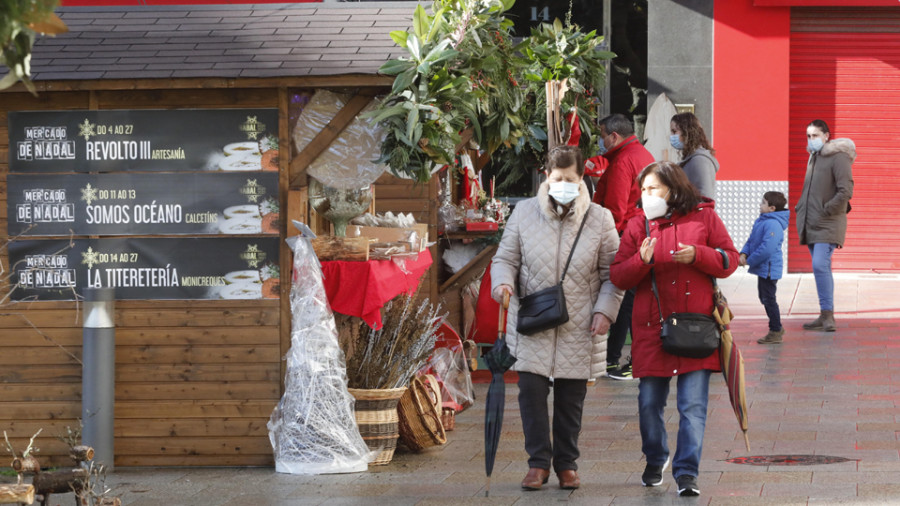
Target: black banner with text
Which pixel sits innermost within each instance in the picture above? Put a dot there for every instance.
(142, 204)
(227, 140)
(146, 268)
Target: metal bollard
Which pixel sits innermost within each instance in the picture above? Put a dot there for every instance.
(98, 374)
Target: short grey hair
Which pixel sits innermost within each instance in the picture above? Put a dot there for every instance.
(619, 124)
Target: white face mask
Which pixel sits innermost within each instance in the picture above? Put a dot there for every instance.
(654, 206)
(563, 192)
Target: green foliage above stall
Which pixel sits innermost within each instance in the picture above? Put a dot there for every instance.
(464, 70)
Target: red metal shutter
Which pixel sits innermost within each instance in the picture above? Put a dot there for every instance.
(845, 69)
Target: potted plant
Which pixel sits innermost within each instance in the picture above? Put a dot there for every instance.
(380, 364)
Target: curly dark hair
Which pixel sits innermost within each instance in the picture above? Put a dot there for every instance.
(683, 196)
(692, 134)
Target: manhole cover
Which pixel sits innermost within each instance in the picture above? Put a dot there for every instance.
(789, 460)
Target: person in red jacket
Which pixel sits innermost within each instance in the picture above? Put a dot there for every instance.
(617, 190)
(687, 247)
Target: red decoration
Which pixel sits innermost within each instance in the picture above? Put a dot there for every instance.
(362, 288)
(482, 226)
(575, 129)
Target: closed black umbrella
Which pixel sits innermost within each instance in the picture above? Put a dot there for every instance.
(498, 360)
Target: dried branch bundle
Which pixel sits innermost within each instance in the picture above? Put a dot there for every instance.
(390, 356)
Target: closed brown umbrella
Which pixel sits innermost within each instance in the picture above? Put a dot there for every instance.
(732, 364)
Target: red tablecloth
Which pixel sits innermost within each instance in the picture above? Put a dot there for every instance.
(362, 288)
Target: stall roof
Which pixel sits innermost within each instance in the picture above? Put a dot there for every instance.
(227, 41)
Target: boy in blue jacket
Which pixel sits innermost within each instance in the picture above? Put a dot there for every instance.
(762, 253)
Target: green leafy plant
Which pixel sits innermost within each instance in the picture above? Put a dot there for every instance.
(20, 22)
(465, 72)
(439, 89)
(556, 52)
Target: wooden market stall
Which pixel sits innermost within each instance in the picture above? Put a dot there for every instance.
(196, 380)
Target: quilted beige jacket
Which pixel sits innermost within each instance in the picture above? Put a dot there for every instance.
(531, 257)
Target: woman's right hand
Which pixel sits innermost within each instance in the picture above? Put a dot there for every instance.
(647, 249)
(498, 292)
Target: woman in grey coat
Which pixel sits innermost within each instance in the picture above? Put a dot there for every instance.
(822, 211)
(531, 256)
(697, 156)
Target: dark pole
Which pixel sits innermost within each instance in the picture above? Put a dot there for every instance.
(98, 374)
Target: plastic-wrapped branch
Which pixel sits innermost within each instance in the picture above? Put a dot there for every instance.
(313, 429)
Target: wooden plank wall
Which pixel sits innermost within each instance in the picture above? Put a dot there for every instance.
(195, 380)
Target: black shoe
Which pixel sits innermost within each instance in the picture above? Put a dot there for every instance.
(653, 475)
(687, 486)
(620, 373)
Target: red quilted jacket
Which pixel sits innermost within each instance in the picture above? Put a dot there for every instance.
(682, 288)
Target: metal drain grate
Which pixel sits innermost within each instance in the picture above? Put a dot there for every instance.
(789, 460)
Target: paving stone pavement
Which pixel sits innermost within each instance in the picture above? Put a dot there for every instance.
(822, 394)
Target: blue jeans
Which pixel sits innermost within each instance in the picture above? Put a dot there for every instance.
(692, 399)
(821, 263)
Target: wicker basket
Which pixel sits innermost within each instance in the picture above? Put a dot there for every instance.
(432, 382)
(376, 417)
(420, 418)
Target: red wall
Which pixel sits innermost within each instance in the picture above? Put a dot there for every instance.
(751, 84)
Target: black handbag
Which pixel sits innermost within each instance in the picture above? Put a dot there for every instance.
(546, 309)
(692, 335)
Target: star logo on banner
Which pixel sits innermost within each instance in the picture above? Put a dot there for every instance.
(88, 194)
(86, 130)
(90, 257)
(253, 255)
(253, 128)
(252, 190)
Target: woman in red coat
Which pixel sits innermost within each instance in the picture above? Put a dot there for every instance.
(687, 247)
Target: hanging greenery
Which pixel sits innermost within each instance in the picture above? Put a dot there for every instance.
(20, 22)
(464, 71)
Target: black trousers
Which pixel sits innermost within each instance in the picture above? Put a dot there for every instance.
(568, 405)
(618, 332)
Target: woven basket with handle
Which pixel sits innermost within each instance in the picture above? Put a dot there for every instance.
(420, 417)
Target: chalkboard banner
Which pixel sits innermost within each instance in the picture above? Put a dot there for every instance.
(226, 140)
(143, 204)
(146, 268)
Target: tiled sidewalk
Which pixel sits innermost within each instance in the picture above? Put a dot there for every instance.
(823, 394)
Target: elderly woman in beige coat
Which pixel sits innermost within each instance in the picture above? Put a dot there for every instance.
(532, 254)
